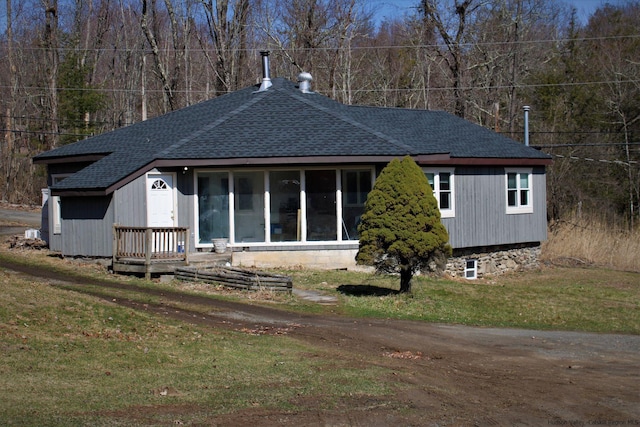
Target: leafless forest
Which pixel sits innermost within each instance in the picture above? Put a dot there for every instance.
(75, 68)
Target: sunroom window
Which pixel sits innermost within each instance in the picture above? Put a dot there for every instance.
(249, 192)
(321, 204)
(519, 191)
(213, 206)
(280, 205)
(356, 185)
(284, 191)
(442, 183)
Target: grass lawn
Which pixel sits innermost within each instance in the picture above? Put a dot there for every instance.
(70, 359)
(580, 299)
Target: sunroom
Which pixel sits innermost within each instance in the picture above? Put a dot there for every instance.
(280, 208)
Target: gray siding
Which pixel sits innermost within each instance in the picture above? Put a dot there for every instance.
(481, 218)
(185, 201)
(87, 226)
(54, 239)
(480, 213)
(131, 204)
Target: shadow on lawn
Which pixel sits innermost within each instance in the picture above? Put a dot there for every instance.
(366, 290)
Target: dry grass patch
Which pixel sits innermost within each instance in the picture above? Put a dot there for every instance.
(591, 241)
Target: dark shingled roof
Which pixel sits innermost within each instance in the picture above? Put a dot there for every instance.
(281, 122)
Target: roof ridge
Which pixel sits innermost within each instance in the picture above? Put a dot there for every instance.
(217, 122)
(419, 110)
(349, 120)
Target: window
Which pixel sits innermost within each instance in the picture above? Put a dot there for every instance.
(56, 208)
(356, 185)
(249, 206)
(519, 191)
(284, 189)
(321, 204)
(471, 269)
(213, 206)
(442, 183)
(159, 184)
(280, 205)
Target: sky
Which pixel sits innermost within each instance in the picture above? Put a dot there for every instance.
(398, 8)
(391, 8)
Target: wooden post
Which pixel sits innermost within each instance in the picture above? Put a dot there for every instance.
(186, 246)
(115, 245)
(148, 246)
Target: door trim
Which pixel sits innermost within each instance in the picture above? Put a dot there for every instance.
(173, 175)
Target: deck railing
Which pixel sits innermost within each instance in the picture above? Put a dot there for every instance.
(151, 244)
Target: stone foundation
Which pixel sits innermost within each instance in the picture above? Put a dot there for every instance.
(491, 262)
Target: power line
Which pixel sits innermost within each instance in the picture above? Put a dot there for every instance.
(600, 144)
(587, 159)
(572, 132)
(38, 132)
(276, 50)
(398, 90)
(59, 120)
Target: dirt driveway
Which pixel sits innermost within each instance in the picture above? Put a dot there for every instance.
(443, 374)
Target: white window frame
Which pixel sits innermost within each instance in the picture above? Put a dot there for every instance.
(56, 208)
(471, 272)
(444, 213)
(267, 204)
(519, 208)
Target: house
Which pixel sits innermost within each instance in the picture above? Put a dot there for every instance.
(283, 174)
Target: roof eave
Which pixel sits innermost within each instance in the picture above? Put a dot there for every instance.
(79, 192)
(293, 160)
(68, 159)
(492, 161)
(431, 159)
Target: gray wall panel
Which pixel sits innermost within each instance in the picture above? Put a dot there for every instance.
(185, 200)
(131, 204)
(481, 218)
(87, 226)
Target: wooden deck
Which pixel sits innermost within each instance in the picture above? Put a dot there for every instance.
(157, 250)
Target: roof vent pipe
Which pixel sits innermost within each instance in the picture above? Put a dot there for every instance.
(266, 79)
(304, 82)
(526, 125)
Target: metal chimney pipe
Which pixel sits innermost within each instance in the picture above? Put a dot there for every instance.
(526, 125)
(266, 79)
(304, 82)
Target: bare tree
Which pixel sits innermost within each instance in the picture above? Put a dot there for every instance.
(453, 37)
(512, 39)
(50, 46)
(320, 37)
(8, 147)
(228, 40)
(168, 64)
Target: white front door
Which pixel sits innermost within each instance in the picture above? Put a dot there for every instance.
(160, 200)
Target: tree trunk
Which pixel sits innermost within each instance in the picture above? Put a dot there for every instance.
(453, 56)
(52, 57)
(406, 273)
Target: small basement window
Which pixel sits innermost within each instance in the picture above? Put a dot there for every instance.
(471, 269)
